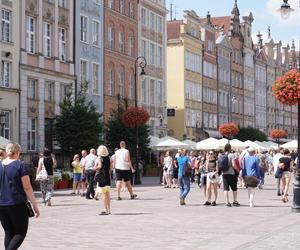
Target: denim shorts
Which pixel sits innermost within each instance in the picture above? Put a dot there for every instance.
(77, 177)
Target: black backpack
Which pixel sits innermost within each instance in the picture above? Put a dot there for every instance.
(223, 163)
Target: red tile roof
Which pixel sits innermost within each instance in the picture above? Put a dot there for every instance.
(173, 29)
(220, 21)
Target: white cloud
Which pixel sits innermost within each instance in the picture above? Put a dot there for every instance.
(294, 19)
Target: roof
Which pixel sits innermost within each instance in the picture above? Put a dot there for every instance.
(173, 29)
(221, 21)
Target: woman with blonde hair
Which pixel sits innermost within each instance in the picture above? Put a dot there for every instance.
(103, 169)
(15, 189)
(77, 169)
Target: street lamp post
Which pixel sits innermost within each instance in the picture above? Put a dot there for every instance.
(140, 63)
(285, 11)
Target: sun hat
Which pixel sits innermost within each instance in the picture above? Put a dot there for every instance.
(75, 156)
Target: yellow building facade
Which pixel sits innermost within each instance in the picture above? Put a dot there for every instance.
(184, 77)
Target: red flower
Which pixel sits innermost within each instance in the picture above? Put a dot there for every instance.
(287, 88)
(134, 117)
(229, 129)
(278, 134)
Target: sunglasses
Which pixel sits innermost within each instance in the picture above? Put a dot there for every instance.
(211, 153)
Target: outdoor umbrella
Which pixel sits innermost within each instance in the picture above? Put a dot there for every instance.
(192, 144)
(292, 145)
(254, 145)
(208, 144)
(170, 144)
(3, 142)
(237, 144)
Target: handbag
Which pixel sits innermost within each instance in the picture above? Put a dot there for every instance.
(278, 173)
(30, 211)
(251, 181)
(187, 170)
(42, 175)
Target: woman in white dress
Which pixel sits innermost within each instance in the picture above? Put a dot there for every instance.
(168, 169)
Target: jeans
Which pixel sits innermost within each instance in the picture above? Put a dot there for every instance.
(184, 186)
(14, 220)
(90, 174)
(262, 179)
(278, 185)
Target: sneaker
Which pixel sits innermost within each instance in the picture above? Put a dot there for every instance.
(207, 203)
(213, 203)
(236, 204)
(228, 204)
(133, 196)
(278, 194)
(119, 198)
(104, 213)
(181, 201)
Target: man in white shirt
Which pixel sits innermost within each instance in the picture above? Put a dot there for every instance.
(83, 175)
(89, 163)
(276, 158)
(124, 169)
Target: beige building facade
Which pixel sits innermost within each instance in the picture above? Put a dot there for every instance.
(9, 63)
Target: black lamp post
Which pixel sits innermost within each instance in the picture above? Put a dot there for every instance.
(140, 63)
(286, 10)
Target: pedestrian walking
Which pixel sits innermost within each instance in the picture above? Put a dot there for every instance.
(212, 179)
(48, 163)
(183, 177)
(103, 170)
(168, 169)
(77, 172)
(89, 163)
(193, 159)
(83, 174)
(124, 170)
(251, 174)
(15, 190)
(230, 172)
(276, 158)
(286, 165)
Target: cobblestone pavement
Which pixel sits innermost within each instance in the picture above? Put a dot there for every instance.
(156, 221)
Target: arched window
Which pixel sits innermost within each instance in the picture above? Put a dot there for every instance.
(111, 36)
(121, 82)
(111, 81)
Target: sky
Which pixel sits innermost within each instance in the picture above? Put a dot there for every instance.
(264, 12)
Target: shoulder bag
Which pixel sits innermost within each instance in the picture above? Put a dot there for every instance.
(42, 175)
(187, 170)
(250, 180)
(30, 211)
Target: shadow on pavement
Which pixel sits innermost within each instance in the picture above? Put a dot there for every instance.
(131, 213)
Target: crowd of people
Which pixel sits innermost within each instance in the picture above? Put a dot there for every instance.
(94, 172)
(210, 169)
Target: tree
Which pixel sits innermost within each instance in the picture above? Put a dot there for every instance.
(79, 125)
(117, 131)
(252, 134)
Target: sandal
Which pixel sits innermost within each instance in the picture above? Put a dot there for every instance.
(104, 213)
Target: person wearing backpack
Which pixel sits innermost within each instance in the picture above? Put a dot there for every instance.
(227, 165)
(184, 170)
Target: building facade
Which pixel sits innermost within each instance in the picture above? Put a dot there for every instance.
(9, 66)
(46, 69)
(210, 77)
(120, 52)
(184, 77)
(89, 47)
(260, 86)
(152, 46)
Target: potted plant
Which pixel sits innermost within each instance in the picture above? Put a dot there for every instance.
(229, 130)
(277, 134)
(65, 179)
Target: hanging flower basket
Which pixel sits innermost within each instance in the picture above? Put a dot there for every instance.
(278, 134)
(287, 88)
(229, 130)
(134, 117)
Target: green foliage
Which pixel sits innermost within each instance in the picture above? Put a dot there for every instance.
(252, 134)
(117, 131)
(79, 125)
(65, 176)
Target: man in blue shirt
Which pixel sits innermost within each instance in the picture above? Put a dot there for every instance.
(184, 181)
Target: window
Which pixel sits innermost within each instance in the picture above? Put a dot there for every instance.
(144, 17)
(111, 4)
(96, 78)
(152, 92)
(65, 89)
(97, 2)
(159, 24)
(210, 46)
(96, 33)
(6, 26)
(62, 3)
(83, 29)
(5, 128)
(144, 48)
(5, 74)
(111, 41)
(111, 82)
(121, 83)
(144, 91)
(121, 42)
(152, 53)
(131, 10)
(131, 46)
(131, 87)
(47, 39)
(49, 91)
(160, 92)
(30, 34)
(159, 56)
(32, 89)
(152, 21)
(62, 44)
(83, 71)
(192, 62)
(122, 6)
(31, 134)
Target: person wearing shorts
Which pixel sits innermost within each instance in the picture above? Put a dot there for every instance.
(230, 178)
(77, 169)
(124, 170)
